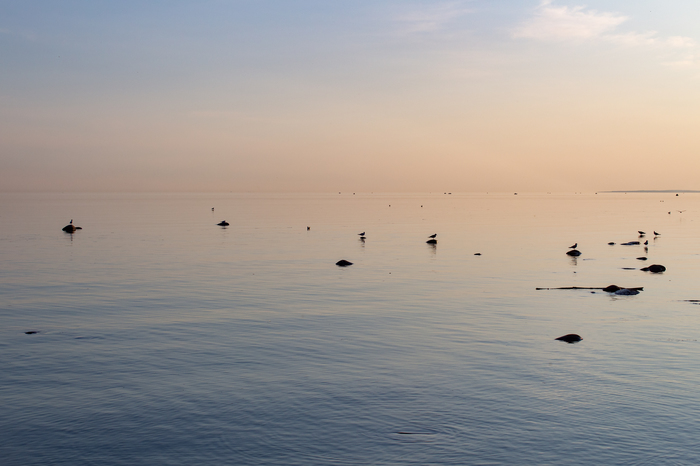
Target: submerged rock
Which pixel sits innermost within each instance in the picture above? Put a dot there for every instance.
(574, 252)
(31, 332)
(432, 241)
(343, 263)
(611, 288)
(223, 223)
(641, 258)
(70, 228)
(630, 243)
(570, 338)
(611, 243)
(626, 292)
(655, 268)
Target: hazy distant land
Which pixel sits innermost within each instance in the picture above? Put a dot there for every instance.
(655, 191)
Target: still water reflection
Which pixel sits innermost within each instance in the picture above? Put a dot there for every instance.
(166, 339)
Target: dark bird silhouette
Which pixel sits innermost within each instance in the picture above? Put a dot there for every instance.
(656, 234)
(432, 236)
(641, 233)
(223, 223)
(646, 242)
(361, 234)
(574, 246)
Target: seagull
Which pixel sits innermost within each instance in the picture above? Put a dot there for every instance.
(641, 232)
(574, 246)
(361, 234)
(432, 236)
(646, 242)
(656, 234)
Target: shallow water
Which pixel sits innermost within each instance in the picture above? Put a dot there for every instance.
(165, 339)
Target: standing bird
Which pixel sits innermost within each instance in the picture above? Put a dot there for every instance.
(574, 246)
(656, 234)
(361, 234)
(641, 233)
(432, 236)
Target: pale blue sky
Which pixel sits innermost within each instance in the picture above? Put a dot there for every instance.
(349, 96)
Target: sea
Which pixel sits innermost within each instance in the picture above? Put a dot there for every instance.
(153, 336)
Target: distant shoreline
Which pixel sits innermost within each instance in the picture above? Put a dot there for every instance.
(654, 191)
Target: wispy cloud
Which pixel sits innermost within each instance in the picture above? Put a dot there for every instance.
(563, 22)
(578, 23)
(430, 19)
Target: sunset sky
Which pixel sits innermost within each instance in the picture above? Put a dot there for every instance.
(326, 96)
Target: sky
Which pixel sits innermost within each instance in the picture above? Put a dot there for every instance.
(362, 96)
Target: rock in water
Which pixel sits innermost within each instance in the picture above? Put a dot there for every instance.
(223, 223)
(570, 338)
(611, 288)
(432, 241)
(626, 292)
(574, 252)
(71, 228)
(343, 263)
(655, 268)
(641, 258)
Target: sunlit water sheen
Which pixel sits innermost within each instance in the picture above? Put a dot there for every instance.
(165, 339)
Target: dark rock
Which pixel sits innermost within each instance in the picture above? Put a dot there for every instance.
(611, 288)
(611, 243)
(343, 263)
(641, 258)
(574, 252)
(570, 338)
(223, 223)
(31, 332)
(477, 253)
(627, 292)
(630, 243)
(71, 228)
(628, 268)
(432, 241)
(655, 268)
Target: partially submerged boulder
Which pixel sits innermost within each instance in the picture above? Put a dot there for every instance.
(574, 253)
(655, 268)
(343, 263)
(70, 228)
(223, 223)
(570, 338)
(432, 241)
(627, 292)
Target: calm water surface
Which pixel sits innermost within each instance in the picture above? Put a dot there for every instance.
(164, 339)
